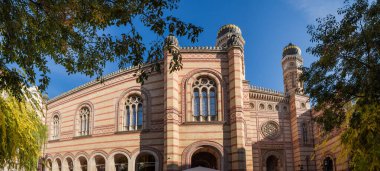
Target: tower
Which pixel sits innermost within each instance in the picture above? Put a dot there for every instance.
(230, 38)
(291, 61)
(300, 113)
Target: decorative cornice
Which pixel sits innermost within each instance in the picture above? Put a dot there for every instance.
(97, 81)
(262, 93)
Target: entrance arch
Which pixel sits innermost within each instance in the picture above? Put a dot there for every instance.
(272, 163)
(204, 159)
(273, 160)
(204, 153)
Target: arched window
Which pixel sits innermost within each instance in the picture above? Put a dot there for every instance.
(328, 164)
(55, 127)
(304, 133)
(84, 120)
(133, 115)
(204, 100)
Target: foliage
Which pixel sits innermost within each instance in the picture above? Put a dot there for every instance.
(22, 134)
(348, 71)
(70, 34)
(362, 136)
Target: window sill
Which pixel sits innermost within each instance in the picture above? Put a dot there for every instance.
(82, 136)
(55, 140)
(131, 132)
(205, 123)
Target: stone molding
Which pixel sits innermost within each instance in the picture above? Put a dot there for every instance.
(190, 149)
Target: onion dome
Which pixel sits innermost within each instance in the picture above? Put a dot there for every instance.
(171, 40)
(229, 35)
(291, 49)
(229, 28)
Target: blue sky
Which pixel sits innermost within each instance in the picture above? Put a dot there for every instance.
(267, 26)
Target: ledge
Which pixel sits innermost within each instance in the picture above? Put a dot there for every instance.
(205, 123)
(82, 136)
(130, 132)
(51, 141)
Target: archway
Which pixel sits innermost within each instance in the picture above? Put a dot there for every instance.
(121, 162)
(69, 165)
(49, 165)
(82, 163)
(272, 163)
(59, 164)
(206, 157)
(328, 164)
(100, 163)
(145, 162)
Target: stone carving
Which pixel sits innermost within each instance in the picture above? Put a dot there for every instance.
(270, 129)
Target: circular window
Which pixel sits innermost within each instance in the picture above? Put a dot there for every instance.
(270, 107)
(262, 107)
(270, 129)
(285, 108)
(251, 105)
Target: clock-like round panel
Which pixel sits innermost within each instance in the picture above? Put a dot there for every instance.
(270, 129)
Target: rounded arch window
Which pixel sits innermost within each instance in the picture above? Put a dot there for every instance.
(70, 164)
(121, 162)
(84, 121)
(328, 164)
(59, 164)
(204, 100)
(133, 115)
(55, 133)
(49, 165)
(145, 162)
(303, 106)
(83, 163)
(100, 163)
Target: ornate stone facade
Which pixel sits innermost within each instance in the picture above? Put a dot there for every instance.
(206, 114)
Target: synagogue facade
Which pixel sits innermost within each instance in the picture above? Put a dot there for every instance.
(206, 114)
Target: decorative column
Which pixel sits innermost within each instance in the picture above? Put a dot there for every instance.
(171, 96)
(299, 107)
(231, 39)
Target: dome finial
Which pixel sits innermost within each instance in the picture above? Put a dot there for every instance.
(229, 35)
(291, 49)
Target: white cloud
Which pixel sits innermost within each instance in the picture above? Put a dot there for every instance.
(317, 8)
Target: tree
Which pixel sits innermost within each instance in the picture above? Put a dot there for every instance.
(22, 133)
(69, 34)
(345, 80)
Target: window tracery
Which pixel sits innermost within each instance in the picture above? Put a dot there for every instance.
(84, 119)
(204, 100)
(133, 115)
(55, 127)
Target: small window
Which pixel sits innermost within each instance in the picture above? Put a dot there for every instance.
(84, 117)
(262, 107)
(270, 107)
(277, 108)
(304, 133)
(252, 106)
(303, 106)
(55, 127)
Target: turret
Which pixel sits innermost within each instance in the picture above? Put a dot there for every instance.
(291, 63)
